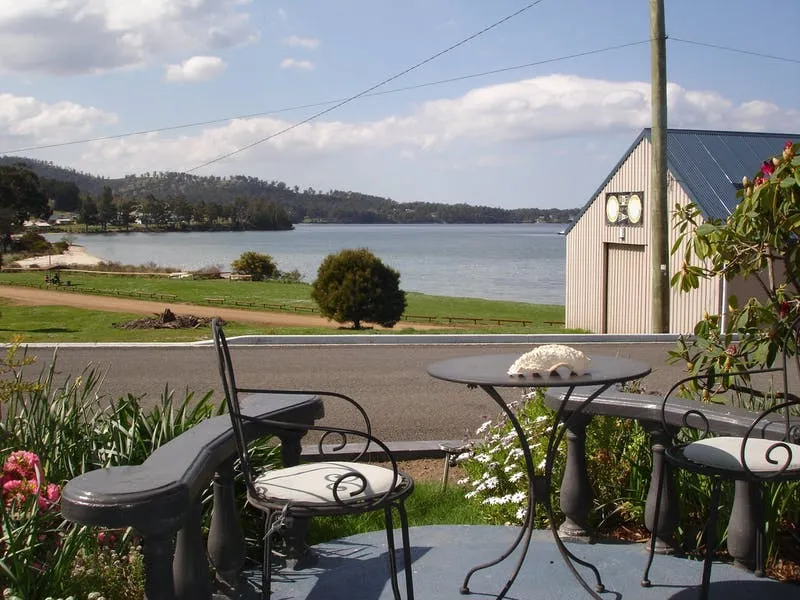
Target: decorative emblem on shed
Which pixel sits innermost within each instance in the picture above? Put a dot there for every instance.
(624, 208)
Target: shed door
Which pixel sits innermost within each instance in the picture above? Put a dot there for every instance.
(627, 289)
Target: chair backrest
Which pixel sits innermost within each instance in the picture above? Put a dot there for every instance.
(232, 401)
(772, 411)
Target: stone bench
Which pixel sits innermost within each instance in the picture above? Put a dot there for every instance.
(161, 498)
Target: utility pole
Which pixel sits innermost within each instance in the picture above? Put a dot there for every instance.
(659, 240)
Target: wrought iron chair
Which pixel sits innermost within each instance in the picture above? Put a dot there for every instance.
(317, 489)
(766, 449)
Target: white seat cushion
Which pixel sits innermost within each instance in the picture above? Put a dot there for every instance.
(313, 483)
(725, 452)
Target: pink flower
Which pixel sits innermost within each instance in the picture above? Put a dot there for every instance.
(106, 538)
(24, 464)
(49, 499)
(16, 491)
(767, 168)
(787, 145)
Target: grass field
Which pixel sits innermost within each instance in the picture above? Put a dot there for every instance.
(44, 323)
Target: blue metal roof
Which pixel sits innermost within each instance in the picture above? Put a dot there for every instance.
(710, 164)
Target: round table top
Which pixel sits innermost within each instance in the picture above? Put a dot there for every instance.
(492, 369)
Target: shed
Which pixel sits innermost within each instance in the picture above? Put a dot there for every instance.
(608, 274)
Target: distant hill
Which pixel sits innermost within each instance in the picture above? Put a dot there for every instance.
(334, 206)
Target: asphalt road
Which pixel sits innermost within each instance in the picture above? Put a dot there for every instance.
(390, 381)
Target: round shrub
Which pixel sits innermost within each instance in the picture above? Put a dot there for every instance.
(354, 285)
(258, 266)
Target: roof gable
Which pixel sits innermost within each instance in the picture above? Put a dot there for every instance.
(708, 164)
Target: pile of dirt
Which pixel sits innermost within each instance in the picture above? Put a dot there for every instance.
(167, 320)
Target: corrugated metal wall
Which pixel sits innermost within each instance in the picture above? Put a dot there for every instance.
(628, 274)
(687, 308)
(609, 268)
(589, 300)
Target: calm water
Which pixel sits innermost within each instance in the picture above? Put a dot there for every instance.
(497, 262)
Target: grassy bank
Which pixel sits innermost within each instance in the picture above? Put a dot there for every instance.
(43, 323)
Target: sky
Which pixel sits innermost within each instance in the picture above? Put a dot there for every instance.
(531, 113)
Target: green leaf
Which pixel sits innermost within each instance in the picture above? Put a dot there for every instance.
(788, 182)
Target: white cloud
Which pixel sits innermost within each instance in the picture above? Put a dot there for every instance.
(301, 42)
(300, 65)
(491, 121)
(66, 37)
(27, 121)
(196, 68)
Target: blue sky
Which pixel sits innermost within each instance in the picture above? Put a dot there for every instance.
(540, 136)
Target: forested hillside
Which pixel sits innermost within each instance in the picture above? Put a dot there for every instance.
(333, 206)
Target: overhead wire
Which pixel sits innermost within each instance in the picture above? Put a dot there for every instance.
(316, 115)
(737, 50)
(387, 92)
(328, 102)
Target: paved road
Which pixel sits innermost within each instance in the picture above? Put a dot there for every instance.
(390, 381)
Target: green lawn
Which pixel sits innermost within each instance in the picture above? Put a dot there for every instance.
(64, 324)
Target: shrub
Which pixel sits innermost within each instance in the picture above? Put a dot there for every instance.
(258, 266)
(759, 240)
(354, 285)
(33, 243)
(208, 272)
(618, 461)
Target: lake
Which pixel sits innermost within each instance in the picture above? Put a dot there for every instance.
(521, 262)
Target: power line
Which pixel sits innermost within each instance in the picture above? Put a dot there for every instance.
(366, 91)
(328, 102)
(383, 93)
(737, 50)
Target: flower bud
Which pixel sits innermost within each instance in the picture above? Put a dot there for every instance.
(776, 161)
(745, 181)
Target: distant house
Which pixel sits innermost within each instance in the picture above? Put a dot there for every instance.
(608, 279)
(38, 224)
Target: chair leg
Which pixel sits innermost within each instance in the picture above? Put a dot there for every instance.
(387, 515)
(401, 510)
(711, 537)
(653, 534)
(266, 562)
(761, 561)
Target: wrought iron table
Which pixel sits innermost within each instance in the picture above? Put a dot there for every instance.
(490, 372)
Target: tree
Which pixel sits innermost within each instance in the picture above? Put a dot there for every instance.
(124, 209)
(88, 213)
(258, 266)
(20, 197)
(354, 285)
(760, 240)
(65, 195)
(107, 212)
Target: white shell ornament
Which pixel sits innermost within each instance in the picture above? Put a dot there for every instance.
(548, 359)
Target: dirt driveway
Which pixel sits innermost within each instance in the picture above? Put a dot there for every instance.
(39, 297)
